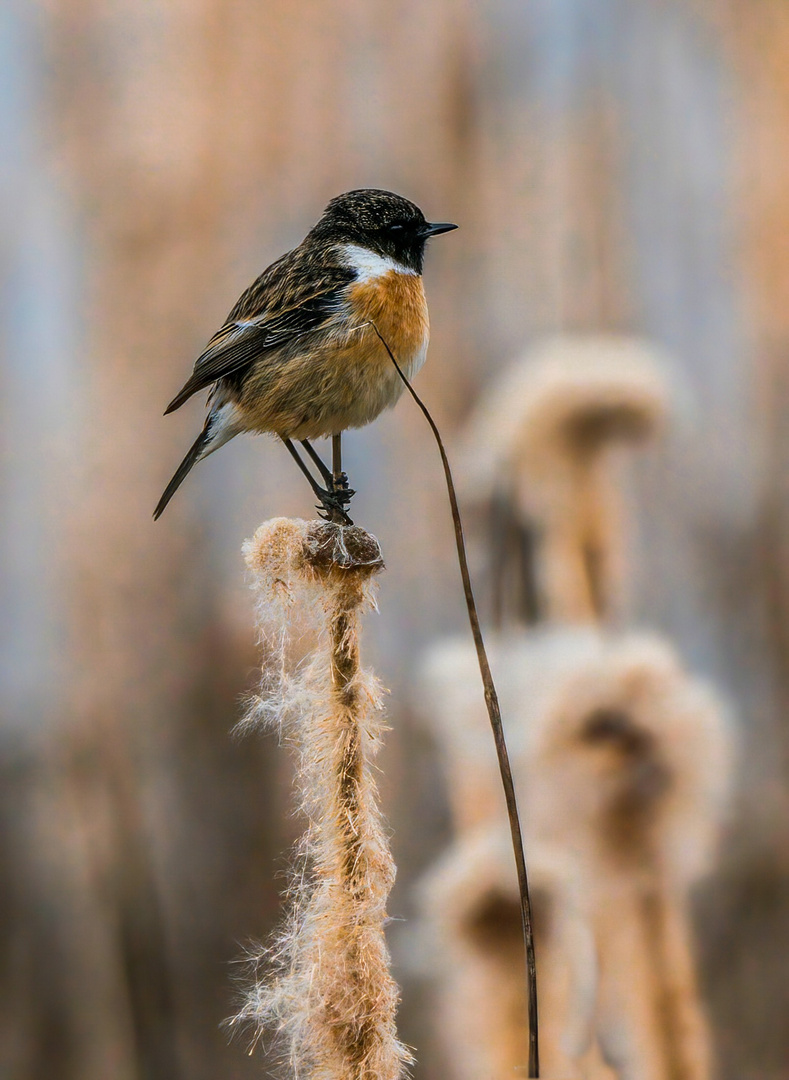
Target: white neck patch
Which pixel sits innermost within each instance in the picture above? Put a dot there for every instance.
(369, 266)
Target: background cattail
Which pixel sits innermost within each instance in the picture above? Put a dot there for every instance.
(540, 456)
(621, 756)
(471, 955)
(622, 767)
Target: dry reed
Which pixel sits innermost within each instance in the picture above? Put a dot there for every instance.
(621, 757)
(471, 908)
(622, 761)
(541, 445)
(324, 987)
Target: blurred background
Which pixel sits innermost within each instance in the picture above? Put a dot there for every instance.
(619, 166)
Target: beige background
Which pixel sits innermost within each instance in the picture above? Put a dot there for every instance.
(613, 166)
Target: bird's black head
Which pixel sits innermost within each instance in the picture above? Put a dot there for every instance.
(381, 221)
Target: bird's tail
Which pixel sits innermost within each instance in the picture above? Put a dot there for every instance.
(196, 451)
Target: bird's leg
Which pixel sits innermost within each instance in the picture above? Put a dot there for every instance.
(335, 479)
(336, 459)
(339, 479)
(330, 502)
(323, 469)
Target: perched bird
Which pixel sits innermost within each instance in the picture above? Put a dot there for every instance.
(301, 354)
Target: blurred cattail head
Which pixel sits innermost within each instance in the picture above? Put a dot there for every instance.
(539, 462)
(472, 914)
(566, 398)
(621, 759)
(616, 746)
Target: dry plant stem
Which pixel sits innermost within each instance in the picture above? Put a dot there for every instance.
(494, 713)
(354, 1035)
(331, 996)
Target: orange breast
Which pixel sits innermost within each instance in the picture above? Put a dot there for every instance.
(396, 304)
(342, 377)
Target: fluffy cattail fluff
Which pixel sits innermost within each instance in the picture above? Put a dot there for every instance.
(328, 992)
(538, 453)
(471, 903)
(622, 761)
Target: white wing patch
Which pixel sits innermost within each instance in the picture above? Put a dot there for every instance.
(369, 265)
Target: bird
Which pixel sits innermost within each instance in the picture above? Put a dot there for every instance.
(306, 352)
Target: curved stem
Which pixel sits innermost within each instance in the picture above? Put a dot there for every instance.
(494, 714)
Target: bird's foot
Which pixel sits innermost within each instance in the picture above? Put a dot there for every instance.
(341, 490)
(333, 504)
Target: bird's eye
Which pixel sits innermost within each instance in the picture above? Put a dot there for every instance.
(396, 228)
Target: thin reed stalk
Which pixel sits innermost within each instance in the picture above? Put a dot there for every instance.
(496, 726)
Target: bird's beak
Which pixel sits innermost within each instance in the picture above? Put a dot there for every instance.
(434, 228)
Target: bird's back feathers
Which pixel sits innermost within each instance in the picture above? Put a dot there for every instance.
(297, 293)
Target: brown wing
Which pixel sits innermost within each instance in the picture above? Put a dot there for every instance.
(294, 295)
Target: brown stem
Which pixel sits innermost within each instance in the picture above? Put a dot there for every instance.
(494, 714)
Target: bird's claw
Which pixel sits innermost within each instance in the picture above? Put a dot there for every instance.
(340, 489)
(333, 514)
(332, 507)
(334, 500)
